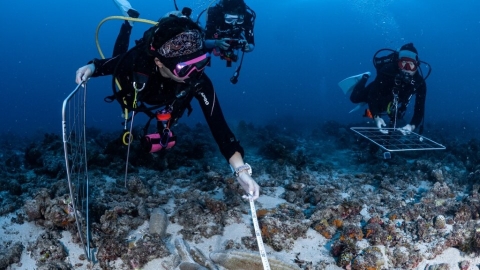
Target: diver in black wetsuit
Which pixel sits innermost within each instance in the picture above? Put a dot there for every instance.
(390, 92)
(166, 68)
(229, 28)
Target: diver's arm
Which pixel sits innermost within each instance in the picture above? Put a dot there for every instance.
(96, 68)
(419, 109)
(105, 66)
(212, 111)
(228, 144)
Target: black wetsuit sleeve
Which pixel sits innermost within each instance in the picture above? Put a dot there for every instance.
(419, 109)
(207, 98)
(105, 66)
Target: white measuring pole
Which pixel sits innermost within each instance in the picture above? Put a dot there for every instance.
(261, 248)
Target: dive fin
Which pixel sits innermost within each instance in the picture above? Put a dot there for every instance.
(349, 83)
(126, 9)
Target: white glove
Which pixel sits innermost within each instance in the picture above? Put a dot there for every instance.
(222, 44)
(84, 73)
(379, 122)
(407, 129)
(249, 185)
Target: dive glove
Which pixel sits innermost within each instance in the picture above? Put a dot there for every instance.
(217, 43)
(379, 122)
(84, 73)
(222, 44)
(244, 177)
(407, 129)
(248, 47)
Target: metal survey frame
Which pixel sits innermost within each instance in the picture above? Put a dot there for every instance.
(77, 169)
(395, 141)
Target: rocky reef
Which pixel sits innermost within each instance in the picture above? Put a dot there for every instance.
(372, 213)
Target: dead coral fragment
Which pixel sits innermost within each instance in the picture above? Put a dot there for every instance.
(47, 249)
(440, 188)
(236, 259)
(437, 175)
(349, 209)
(351, 232)
(325, 229)
(371, 258)
(442, 266)
(35, 209)
(338, 223)
(345, 250)
(261, 213)
(279, 231)
(463, 214)
(58, 214)
(215, 206)
(439, 222)
(464, 265)
(136, 186)
(400, 257)
(10, 255)
(375, 234)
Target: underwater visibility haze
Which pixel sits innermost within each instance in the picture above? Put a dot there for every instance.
(329, 199)
(303, 49)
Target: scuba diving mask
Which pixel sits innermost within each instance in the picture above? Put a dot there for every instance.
(234, 19)
(408, 67)
(198, 64)
(407, 64)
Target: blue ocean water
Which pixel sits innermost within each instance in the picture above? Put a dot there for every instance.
(303, 49)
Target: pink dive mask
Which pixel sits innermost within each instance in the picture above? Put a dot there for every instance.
(184, 69)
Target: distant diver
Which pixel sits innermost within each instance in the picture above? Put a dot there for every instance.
(399, 78)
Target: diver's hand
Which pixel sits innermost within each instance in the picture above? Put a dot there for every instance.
(249, 185)
(379, 122)
(407, 129)
(217, 43)
(84, 73)
(222, 43)
(248, 47)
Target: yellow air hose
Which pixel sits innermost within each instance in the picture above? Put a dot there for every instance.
(117, 18)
